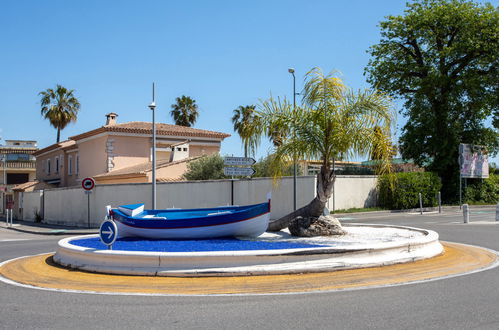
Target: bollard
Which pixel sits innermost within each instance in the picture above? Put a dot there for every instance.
(439, 202)
(466, 213)
(9, 222)
(420, 204)
(497, 212)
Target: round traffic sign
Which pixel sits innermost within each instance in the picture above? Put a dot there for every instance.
(108, 232)
(88, 183)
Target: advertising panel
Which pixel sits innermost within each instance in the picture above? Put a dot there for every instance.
(473, 161)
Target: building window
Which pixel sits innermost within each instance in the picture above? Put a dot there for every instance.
(56, 165)
(70, 165)
(48, 166)
(18, 157)
(185, 149)
(77, 164)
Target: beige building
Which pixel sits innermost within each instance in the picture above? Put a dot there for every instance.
(17, 165)
(122, 153)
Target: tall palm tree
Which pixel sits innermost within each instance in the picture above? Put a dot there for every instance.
(60, 107)
(245, 121)
(185, 111)
(332, 123)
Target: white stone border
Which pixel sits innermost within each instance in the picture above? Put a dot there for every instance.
(260, 262)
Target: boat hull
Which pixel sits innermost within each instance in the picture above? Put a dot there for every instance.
(251, 220)
(251, 227)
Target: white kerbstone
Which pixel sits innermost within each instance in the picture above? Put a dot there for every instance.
(363, 246)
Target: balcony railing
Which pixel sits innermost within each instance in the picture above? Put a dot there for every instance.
(18, 164)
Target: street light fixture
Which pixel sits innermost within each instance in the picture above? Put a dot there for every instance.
(292, 71)
(152, 106)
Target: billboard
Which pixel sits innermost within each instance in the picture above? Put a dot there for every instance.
(473, 161)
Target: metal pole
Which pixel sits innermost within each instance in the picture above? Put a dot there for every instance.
(232, 191)
(294, 135)
(88, 208)
(460, 191)
(152, 106)
(420, 204)
(439, 202)
(466, 213)
(4, 199)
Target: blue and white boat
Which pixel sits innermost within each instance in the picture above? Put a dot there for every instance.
(225, 221)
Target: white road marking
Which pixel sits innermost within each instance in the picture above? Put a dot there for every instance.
(13, 239)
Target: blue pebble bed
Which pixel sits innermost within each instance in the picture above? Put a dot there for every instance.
(222, 244)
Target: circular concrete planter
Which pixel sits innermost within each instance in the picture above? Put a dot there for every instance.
(423, 245)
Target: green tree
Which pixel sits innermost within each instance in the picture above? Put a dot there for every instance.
(440, 57)
(263, 168)
(210, 167)
(60, 107)
(185, 111)
(333, 123)
(244, 121)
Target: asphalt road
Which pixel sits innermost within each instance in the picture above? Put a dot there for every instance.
(464, 302)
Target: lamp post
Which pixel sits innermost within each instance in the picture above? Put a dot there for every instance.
(292, 71)
(152, 106)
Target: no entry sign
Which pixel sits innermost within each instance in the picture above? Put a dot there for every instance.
(88, 184)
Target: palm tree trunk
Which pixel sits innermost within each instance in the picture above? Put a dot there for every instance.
(325, 182)
(58, 134)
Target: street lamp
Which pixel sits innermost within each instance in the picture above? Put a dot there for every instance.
(152, 106)
(292, 71)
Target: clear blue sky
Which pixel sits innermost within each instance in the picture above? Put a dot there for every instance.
(221, 53)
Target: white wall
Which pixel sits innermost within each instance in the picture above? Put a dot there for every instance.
(69, 205)
(31, 203)
(353, 191)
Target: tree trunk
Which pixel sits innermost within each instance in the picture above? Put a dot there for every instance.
(325, 182)
(58, 134)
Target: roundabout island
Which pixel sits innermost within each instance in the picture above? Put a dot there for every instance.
(274, 263)
(268, 254)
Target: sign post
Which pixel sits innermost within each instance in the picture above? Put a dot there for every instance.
(88, 184)
(473, 163)
(108, 233)
(237, 166)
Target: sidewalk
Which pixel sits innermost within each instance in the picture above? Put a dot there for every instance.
(46, 229)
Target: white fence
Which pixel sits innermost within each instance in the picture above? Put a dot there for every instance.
(68, 206)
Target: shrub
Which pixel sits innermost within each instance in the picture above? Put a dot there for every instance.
(401, 190)
(38, 216)
(263, 168)
(205, 168)
(482, 190)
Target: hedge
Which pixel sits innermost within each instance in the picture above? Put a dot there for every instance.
(484, 191)
(401, 190)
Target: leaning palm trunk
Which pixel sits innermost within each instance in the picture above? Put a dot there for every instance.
(333, 122)
(325, 182)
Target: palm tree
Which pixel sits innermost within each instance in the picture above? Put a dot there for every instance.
(184, 111)
(60, 107)
(333, 123)
(245, 121)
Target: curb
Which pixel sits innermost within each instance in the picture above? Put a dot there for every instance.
(53, 232)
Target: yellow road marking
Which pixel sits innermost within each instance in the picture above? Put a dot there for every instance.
(40, 271)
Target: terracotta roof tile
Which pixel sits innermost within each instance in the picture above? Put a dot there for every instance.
(140, 127)
(60, 145)
(143, 168)
(32, 186)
